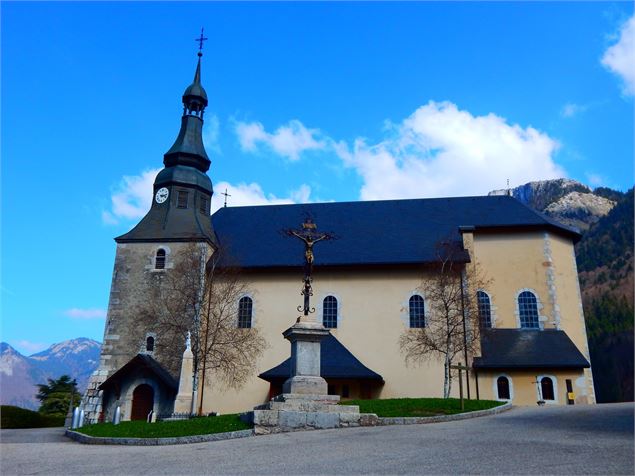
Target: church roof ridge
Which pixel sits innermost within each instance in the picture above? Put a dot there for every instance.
(371, 232)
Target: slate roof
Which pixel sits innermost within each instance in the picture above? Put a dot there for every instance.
(528, 348)
(166, 222)
(371, 232)
(336, 361)
(143, 363)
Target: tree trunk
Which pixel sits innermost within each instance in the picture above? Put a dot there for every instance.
(447, 382)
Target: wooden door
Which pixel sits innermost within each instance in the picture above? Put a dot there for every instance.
(142, 402)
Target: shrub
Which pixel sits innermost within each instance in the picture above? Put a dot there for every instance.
(16, 417)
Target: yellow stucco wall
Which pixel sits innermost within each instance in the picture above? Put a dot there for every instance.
(524, 390)
(544, 263)
(373, 313)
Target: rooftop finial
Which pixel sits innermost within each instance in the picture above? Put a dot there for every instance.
(226, 195)
(200, 41)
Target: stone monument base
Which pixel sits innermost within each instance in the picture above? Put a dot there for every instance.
(305, 385)
(292, 412)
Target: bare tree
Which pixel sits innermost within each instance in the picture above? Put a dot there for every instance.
(200, 297)
(225, 350)
(451, 330)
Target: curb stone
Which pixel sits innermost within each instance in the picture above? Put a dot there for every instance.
(177, 440)
(382, 421)
(182, 440)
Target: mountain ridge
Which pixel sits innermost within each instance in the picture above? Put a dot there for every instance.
(19, 374)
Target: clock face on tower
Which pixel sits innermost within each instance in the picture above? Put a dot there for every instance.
(161, 195)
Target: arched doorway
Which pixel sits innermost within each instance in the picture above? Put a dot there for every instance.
(142, 402)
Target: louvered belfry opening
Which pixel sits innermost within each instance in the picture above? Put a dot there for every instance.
(181, 199)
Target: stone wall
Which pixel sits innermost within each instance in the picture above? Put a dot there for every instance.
(133, 279)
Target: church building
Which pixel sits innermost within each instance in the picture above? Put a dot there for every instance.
(367, 291)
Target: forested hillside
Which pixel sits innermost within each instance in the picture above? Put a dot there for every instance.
(605, 265)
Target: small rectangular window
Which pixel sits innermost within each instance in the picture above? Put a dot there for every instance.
(181, 199)
(203, 204)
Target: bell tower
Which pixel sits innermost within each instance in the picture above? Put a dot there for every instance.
(182, 191)
(178, 220)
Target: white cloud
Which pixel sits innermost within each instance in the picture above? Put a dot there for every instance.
(131, 198)
(620, 57)
(27, 347)
(249, 134)
(244, 194)
(443, 151)
(571, 109)
(595, 180)
(210, 133)
(288, 141)
(77, 313)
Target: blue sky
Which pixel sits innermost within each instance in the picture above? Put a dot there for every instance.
(308, 102)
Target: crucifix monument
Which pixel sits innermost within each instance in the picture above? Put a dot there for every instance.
(305, 402)
(307, 333)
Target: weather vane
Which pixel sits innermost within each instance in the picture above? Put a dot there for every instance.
(200, 41)
(310, 236)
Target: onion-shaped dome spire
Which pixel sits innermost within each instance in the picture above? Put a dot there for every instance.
(188, 148)
(195, 97)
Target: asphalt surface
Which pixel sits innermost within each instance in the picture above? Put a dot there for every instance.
(549, 440)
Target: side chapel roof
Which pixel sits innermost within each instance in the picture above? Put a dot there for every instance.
(336, 361)
(528, 348)
(372, 232)
(141, 363)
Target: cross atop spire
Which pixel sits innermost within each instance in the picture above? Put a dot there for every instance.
(200, 41)
(226, 195)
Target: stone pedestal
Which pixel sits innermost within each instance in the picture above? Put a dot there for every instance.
(293, 412)
(305, 403)
(183, 402)
(305, 338)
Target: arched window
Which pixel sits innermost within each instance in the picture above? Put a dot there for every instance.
(329, 312)
(150, 344)
(484, 309)
(528, 310)
(502, 385)
(417, 312)
(159, 260)
(546, 388)
(245, 309)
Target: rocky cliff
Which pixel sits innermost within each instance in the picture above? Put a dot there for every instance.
(565, 200)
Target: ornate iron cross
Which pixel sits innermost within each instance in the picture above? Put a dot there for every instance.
(310, 236)
(200, 40)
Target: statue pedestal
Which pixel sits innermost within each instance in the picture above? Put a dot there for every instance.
(305, 338)
(305, 403)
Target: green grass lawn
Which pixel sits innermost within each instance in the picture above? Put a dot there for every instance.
(16, 417)
(419, 407)
(167, 429)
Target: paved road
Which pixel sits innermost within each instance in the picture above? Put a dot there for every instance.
(552, 440)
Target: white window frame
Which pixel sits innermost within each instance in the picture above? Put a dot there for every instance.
(492, 317)
(253, 310)
(495, 388)
(320, 309)
(539, 307)
(554, 382)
